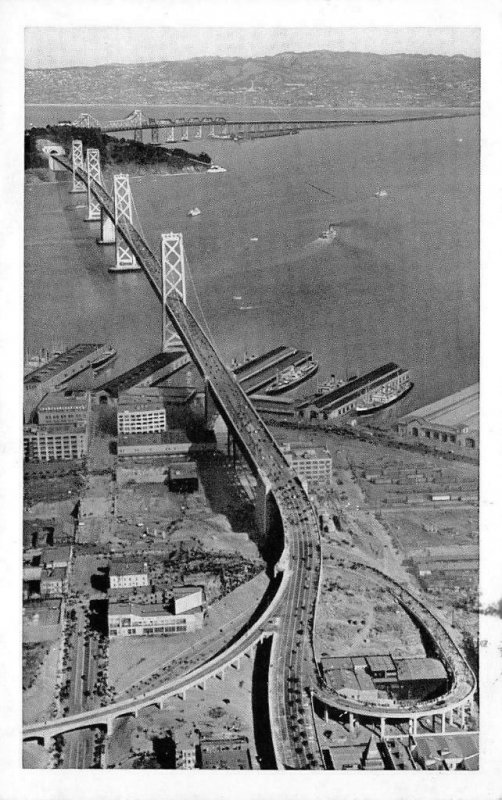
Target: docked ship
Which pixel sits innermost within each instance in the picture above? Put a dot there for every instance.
(329, 234)
(194, 212)
(292, 377)
(104, 360)
(383, 398)
(216, 168)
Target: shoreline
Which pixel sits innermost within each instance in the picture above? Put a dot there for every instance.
(361, 109)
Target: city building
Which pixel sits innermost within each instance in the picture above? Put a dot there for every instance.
(64, 407)
(53, 582)
(131, 619)
(183, 477)
(186, 750)
(372, 758)
(53, 557)
(125, 574)
(187, 597)
(448, 752)
(166, 443)
(231, 753)
(451, 423)
(141, 413)
(315, 464)
(65, 442)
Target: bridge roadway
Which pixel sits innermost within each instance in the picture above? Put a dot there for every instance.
(296, 747)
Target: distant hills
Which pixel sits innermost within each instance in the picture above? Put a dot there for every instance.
(315, 79)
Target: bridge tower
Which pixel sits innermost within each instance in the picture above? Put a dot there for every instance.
(77, 160)
(125, 260)
(171, 138)
(173, 283)
(93, 173)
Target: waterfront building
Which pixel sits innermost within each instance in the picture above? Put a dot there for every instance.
(342, 400)
(125, 574)
(315, 464)
(451, 423)
(66, 407)
(150, 371)
(132, 619)
(63, 367)
(63, 442)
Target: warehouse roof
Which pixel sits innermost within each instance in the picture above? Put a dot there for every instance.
(127, 568)
(455, 411)
(420, 669)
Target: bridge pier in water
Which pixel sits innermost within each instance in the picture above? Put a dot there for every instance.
(108, 233)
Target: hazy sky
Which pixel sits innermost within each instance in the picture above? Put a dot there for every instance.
(61, 47)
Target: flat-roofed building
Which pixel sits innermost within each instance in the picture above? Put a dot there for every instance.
(315, 464)
(65, 442)
(69, 406)
(153, 619)
(183, 477)
(53, 582)
(141, 412)
(186, 749)
(125, 574)
(451, 423)
(187, 597)
(231, 753)
(63, 367)
(155, 445)
(56, 556)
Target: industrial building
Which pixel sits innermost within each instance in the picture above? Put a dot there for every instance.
(315, 464)
(451, 423)
(373, 677)
(343, 399)
(63, 442)
(66, 407)
(141, 413)
(132, 619)
(167, 443)
(125, 574)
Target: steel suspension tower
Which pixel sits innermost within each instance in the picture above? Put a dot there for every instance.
(125, 260)
(93, 173)
(77, 160)
(173, 283)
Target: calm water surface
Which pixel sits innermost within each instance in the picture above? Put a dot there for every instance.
(400, 281)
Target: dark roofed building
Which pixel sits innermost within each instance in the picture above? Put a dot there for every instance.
(225, 753)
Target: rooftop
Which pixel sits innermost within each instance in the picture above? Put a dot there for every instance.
(186, 469)
(61, 553)
(138, 373)
(66, 399)
(61, 427)
(60, 363)
(185, 591)
(127, 568)
(455, 411)
(54, 574)
(420, 669)
(43, 612)
(172, 436)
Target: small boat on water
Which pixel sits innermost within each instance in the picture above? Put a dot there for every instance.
(329, 234)
(104, 360)
(216, 168)
(253, 239)
(291, 377)
(383, 398)
(194, 212)
(381, 193)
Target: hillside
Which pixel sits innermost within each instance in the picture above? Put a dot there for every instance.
(320, 78)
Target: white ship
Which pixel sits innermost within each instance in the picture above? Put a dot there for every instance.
(194, 212)
(216, 168)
